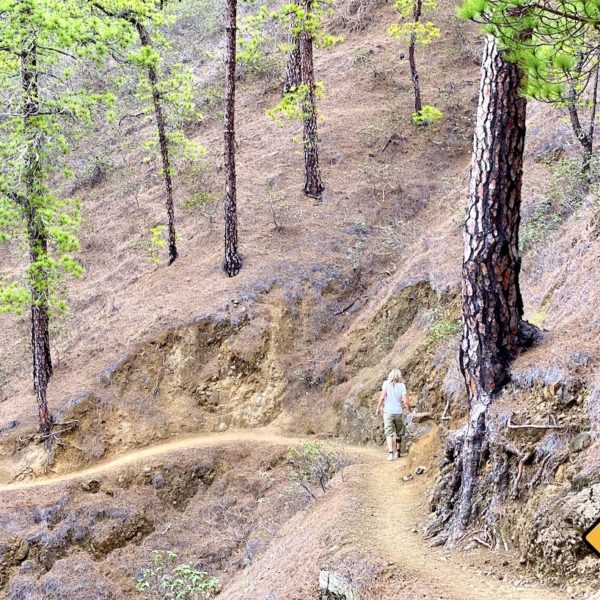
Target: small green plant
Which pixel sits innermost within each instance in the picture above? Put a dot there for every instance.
(313, 465)
(428, 115)
(166, 580)
(157, 243)
(442, 328)
(395, 237)
(279, 208)
(204, 204)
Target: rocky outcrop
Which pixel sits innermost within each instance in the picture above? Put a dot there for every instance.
(550, 534)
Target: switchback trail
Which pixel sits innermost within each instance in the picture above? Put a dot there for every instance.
(387, 514)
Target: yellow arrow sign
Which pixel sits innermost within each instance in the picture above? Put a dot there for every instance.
(592, 537)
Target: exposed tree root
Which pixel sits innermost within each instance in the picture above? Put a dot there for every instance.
(502, 469)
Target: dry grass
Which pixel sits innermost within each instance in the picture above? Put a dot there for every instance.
(123, 298)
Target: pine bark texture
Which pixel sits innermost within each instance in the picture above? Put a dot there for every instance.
(491, 295)
(414, 72)
(313, 184)
(38, 241)
(293, 72)
(232, 263)
(163, 142)
(493, 330)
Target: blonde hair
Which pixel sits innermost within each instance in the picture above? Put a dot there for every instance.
(395, 376)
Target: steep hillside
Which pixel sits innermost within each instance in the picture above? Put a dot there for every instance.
(300, 342)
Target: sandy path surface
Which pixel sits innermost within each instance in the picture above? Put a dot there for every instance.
(389, 511)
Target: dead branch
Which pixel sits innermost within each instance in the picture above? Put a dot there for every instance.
(347, 308)
(511, 425)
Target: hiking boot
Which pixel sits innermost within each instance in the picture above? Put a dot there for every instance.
(391, 455)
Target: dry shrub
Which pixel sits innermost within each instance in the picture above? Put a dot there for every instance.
(354, 15)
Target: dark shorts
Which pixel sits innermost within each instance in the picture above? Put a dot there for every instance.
(394, 425)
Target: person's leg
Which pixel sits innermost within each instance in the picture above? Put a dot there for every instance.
(400, 426)
(390, 434)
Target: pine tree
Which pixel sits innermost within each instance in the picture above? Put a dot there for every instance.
(556, 46)
(40, 43)
(156, 90)
(293, 74)
(576, 102)
(302, 23)
(232, 263)
(517, 61)
(161, 128)
(313, 184)
(416, 32)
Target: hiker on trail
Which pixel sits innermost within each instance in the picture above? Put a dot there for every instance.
(395, 405)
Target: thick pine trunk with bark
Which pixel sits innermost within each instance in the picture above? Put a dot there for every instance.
(313, 185)
(493, 330)
(414, 73)
(38, 241)
(492, 302)
(232, 263)
(163, 143)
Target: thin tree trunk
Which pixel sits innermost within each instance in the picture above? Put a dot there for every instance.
(313, 185)
(584, 139)
(587, 161)
(293, 72)
(493, 331)
(38, 241)
(162, 141)
(233, 262)
(414, 73)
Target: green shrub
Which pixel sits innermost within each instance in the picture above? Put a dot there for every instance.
(166, 580)
(313, 465)
(428, 115)
(199, 202)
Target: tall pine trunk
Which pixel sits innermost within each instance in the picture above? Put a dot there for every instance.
(494, 332)
(313, 185)
(162, 141)
(233, 262)
(37, 238)
(414, 73)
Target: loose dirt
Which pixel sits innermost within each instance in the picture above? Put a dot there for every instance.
(386, 521)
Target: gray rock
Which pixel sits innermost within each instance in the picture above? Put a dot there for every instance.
(580, 442)
(336, 586)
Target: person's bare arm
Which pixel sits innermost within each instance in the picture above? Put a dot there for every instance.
(380, 403)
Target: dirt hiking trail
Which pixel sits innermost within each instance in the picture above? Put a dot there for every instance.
(391, 512)
(387, 514)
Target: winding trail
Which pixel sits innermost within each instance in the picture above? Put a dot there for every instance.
(387, 514)
(203, 440)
